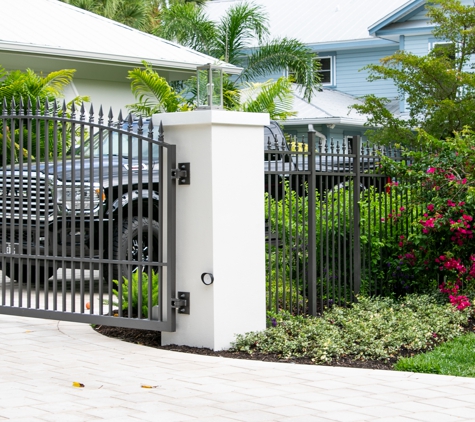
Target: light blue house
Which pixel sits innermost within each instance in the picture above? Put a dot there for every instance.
(347, 35)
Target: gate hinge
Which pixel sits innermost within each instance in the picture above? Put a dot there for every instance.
(182, 303)
(182, 173)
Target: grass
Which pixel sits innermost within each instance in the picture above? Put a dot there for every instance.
(455, 357)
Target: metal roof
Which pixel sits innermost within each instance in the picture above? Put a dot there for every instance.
(54, 28)
(326, 107)
(318, 21)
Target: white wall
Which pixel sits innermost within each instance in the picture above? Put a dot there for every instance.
(106, 93)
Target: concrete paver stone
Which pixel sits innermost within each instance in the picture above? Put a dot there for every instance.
(42, 359)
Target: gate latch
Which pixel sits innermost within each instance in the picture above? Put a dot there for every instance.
(182, 303)
(182, 173)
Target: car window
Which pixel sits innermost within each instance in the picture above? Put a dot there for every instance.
(128, 143)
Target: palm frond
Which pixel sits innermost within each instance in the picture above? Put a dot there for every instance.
(54, 82)
(242, 24)
(281, 54)
(131, 13)
(188, 25)
(152, 91)
(273, 97)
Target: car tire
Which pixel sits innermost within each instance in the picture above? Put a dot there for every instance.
(120, 247)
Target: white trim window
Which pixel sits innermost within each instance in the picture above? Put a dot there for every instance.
(327, 70)
(444, 47)
(327, 64)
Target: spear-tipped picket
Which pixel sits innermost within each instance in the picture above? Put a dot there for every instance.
(140, 126)
(101, 116)
(121, 120)
(55, 109)
(4, 107)
(13, 107)
(150, 128)
(160, 132)
(91, 114)
(64, 108)
(28, 107)
(21, 107)
(82, 113)
(130, 122)
(110, 122)
(73, 111)
(46, 107)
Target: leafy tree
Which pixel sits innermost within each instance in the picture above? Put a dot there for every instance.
(438, 88)
(26, 87)
(232, 40)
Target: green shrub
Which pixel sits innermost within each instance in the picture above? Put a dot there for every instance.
(130, 292)
(440, 183)
(373, 328)
(287, 261)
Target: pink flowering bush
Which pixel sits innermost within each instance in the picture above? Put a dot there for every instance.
(438, 252)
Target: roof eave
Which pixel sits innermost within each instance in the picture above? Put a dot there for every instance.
(109, 58)
(406, 9)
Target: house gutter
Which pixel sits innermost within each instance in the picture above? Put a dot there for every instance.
(126, 61)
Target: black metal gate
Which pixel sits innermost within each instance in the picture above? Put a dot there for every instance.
(87, 218)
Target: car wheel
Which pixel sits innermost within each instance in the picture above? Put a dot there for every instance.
(121, 249)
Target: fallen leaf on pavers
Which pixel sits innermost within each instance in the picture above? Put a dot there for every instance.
(78, 384)
(149, 386)
(28, 331)
(88, 305)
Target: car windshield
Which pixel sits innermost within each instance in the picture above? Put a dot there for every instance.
(120, 144)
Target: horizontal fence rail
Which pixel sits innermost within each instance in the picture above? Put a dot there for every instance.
(83, 205)
(326, 204)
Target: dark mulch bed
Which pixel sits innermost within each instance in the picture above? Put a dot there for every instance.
(153, 339)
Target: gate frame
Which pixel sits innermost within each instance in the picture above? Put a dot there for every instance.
(167, 294)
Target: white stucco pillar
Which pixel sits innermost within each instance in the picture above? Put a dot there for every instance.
(220, 224)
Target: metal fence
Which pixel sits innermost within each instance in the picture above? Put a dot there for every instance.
(81, 224)
(326, 205)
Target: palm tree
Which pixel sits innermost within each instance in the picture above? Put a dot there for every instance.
(19, 88)
(232, 39)
(153, 93)
(143, 15)
(138, 14)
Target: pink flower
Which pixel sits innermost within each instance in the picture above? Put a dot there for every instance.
(461, 302)
(451, 203)
(430, 207)
(402, 209)
(431, 170)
